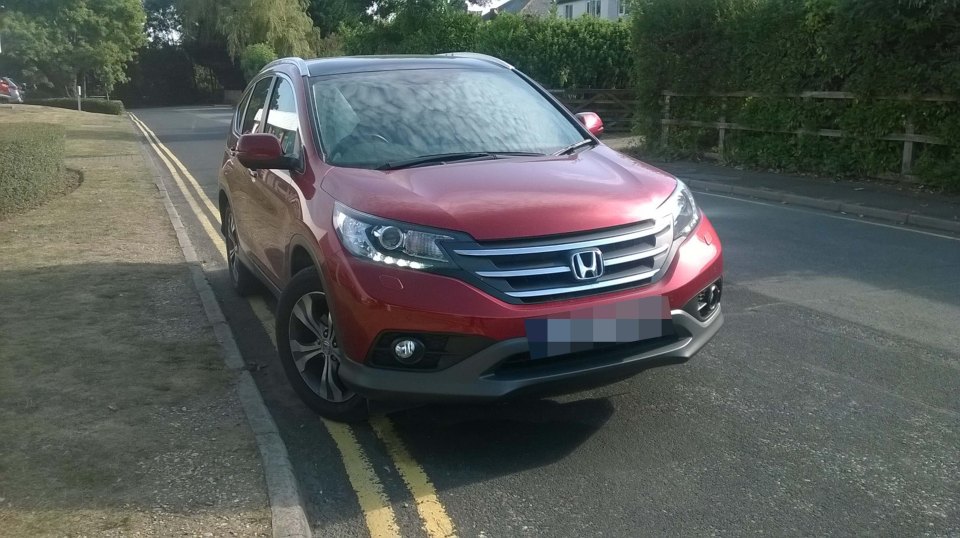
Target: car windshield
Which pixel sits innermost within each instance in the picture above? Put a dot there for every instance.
(371, 119)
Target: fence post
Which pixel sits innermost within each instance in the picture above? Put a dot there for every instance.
(722, 130)
(907, 161)
(665, 127)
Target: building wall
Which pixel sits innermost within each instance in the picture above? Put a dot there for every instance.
(609, 9)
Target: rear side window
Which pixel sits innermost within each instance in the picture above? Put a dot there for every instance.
(282, 119)
(253, 114)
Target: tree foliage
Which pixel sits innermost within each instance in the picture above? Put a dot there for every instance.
(52, 43)
(329, 15)
(284, 25)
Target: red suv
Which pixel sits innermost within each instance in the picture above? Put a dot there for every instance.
(440, 227)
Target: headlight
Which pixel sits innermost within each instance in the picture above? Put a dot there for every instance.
(686, 216)
(387, 242)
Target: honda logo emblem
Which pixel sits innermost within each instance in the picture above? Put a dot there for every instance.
(587, 264)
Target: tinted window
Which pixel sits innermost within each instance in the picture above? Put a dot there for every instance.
(367, 119)
(282, 118)
(253, 114)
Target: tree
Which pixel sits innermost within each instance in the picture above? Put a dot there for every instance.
(58, 43)
(282, 24)
(164, 22)
(328, 15)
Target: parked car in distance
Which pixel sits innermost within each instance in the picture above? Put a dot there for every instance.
(440, 227)
(9, 91)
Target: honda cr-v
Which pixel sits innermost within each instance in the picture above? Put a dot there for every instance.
(441, 227)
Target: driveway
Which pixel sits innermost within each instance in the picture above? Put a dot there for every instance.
(828, 403)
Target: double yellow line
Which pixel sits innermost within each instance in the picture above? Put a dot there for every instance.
(377, 510)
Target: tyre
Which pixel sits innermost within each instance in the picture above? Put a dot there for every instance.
(309, 351)
(243, 280)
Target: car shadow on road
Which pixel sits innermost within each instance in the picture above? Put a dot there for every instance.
(488, 440)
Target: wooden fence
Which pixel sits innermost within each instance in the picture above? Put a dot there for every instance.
(908, 136)
(615, 107)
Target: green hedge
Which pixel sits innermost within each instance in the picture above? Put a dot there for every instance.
(31, 165)
(99, 106)
(872, 48)
(585, 52)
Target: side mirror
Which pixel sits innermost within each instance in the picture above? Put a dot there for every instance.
(262, 151)
(592, 122)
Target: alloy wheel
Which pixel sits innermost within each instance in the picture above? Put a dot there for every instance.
(232, 247)
(314, 347)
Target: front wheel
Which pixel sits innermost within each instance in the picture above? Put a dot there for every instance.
(309, 350)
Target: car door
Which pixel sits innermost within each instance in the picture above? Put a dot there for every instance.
(278, 195)
(240, 179)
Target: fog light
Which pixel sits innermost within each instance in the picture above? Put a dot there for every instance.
(408, 350)
(708, 299)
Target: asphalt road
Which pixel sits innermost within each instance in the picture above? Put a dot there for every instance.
(828, 404)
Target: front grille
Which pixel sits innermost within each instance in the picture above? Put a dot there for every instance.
(542, 269)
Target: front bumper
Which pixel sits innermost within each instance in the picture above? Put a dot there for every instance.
(502, 370)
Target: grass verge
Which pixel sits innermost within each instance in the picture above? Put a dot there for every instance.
(117, 417)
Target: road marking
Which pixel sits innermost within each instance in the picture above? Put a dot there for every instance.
(380, 518)
(208, 226)
(435, 519)
(378, 513)
(212, 214)
(828, 215)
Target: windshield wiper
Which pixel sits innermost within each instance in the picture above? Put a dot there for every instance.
(574, 147)
(440, 158)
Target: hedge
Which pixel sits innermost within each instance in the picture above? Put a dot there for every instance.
(31, 165)
(586, 52)
(99, 106)
(872, 48)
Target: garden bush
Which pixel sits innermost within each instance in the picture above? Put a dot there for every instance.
(872, 48)
(100, 106)
(585, 52)
(31, 165)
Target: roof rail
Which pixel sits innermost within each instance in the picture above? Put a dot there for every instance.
(477, 56)
(295, 60)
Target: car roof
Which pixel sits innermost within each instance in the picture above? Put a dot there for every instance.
(360, 64)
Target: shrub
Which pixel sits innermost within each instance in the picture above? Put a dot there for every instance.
(586, 52)
(99, 106)
(31, 165)
(871, 48)
(254, 57)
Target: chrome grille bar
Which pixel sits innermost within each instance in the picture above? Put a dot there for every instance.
(596, 285)
(636, 256)
(658, 227)
(525, 272)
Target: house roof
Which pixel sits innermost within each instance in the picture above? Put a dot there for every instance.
(523, 7)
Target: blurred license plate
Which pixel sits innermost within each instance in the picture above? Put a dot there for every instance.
(592, 328)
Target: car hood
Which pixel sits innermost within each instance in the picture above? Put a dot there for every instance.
(513, 197)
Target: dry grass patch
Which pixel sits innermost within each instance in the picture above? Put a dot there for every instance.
(117, 416)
